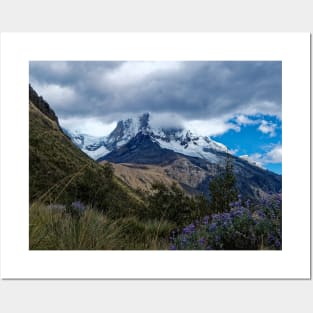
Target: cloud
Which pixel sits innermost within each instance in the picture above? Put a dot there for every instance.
(60, 97)
(131, 73)
(253, 159)
(273, 156)
(211, 127)
(88, 126)
(233, 151)
(166, 120)
(267, 128)
(244, 120)
(193, 90)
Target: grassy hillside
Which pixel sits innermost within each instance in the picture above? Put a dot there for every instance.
(51, 228)
(141, 177)
(180, 171)
(78, 204)
(60, 173)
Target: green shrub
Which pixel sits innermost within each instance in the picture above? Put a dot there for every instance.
(172, 204)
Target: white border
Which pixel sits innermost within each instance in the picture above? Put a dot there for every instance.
(292, 262)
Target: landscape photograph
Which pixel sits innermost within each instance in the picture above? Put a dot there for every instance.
(155, 155)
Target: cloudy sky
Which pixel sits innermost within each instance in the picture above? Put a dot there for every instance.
(236, 103)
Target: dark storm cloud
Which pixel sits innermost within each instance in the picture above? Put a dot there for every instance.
(193, 90)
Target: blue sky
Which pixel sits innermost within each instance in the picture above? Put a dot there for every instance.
(237, 103)
(260, 140)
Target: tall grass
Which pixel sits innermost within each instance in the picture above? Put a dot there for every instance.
(56, 229)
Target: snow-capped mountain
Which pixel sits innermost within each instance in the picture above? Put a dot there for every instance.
(188, 158)
(128, 129)
(179, 140)
(251, 161)
(185, 142)
(94, 147)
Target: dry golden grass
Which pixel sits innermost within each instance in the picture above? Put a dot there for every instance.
(142, 176)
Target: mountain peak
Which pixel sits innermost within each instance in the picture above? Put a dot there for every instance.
(144, 119)
(173, 138)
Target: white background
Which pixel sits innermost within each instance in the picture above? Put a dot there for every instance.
(16, 52)
(256, 296)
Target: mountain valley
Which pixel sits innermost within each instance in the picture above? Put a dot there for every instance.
(142, 154)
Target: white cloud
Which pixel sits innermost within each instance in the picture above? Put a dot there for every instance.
(211, 127)
(253, 159)
(273, 156)
(56, 95)
(262, 107)
(55, 68)
(233, 151)
(165, 120)
(59, 67)
(244, 120)
(130, 73)
(90, 126)
(267, 128)
(195, 90)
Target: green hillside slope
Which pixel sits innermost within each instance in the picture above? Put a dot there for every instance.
(60, 173)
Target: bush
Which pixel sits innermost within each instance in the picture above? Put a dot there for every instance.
(172, 204)
(242, 228)
(223, 188)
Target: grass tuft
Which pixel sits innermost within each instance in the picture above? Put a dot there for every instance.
(55, 228)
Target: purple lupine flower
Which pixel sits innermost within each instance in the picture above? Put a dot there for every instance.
(173, 235)
(260, 214)
(277, 244)
(215, 216)
(189, 229)
(212, 227)
(236, 204)
(201, 241)
(79, 206)
(271, 239)
(173, 247)
(226, 223)
(217, 238)
(206, 220)
(234, 213)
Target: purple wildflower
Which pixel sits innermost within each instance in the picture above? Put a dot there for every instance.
(212, 227)
(277, 244)
(172, 247)
(79, 206)
(206, 220)
(201, 241)
(189, 229)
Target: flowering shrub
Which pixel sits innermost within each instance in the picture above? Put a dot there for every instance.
(242, 228)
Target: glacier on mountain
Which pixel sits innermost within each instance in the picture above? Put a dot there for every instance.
(176, 139)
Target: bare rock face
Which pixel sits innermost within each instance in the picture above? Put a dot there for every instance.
(183, 171)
